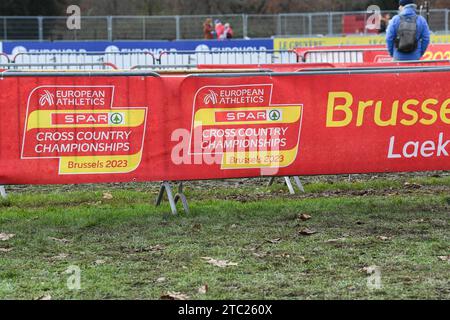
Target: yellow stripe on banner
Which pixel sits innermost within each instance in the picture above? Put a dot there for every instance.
(42, 119)
(290, 114)
(99, 164)
(292, 43)
(259, 159)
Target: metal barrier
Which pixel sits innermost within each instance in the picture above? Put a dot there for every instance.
(227, 57)
(165, 60)
(123, 60)
(4, 58)
(191, 27)
(58, 66)
(345, 56)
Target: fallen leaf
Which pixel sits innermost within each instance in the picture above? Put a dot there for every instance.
(203, 289)
(60, 256)
(283, 255)
(383, 238)
(304, 217)
(46, 297)
(444, 258)
(219, 263)
(274, 241)
(369, 270)
(175, 296)
(260, 254)
(107, 196)
(412, 185)
(5, 250)
(59, 240)
(160, 280)
(307, 232)
(6, 236)
(100, 262)
(336, 240)
(156, 248)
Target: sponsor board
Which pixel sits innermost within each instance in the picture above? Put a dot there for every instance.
(241, 124)
(292, 43)
(80, 126)
(156, 47)
(62, 130)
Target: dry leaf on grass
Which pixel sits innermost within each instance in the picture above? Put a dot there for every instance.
(369, 270)
(6, 236)
(412, 185)
(46, 297)
(304, 217)
(274, 241)
(336, 240)
(64, 241)
(260, 254)
(100, 262)
(307, 232)
(161, 280)
(108, 196)
(5, 250)
(384, 238)
(283, 256)
(444, 258)
(203, 289)
(219, 263)
(174, 296)
(60, 256)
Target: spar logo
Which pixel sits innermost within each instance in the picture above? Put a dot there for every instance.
(47, 98)
(117, 118)
(258, 115)
(275, 115)
(211, 98)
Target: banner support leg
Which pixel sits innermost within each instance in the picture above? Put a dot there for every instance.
(173, 199)
(299, 184)
(181, 196)
(3, 193)
(288, 182)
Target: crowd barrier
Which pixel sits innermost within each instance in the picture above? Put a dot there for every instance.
(182, 60)
(363, 54)
(58, 66)
(98, 127)
(135, 59)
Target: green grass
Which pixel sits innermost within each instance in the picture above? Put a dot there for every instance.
(139, 243)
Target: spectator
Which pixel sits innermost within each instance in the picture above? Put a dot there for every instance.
(408, 34)
(208, 31)
(228, 32)
(384, 23)
(220, 29)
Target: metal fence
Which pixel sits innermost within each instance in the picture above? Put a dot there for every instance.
(144, 59)
(191, 27)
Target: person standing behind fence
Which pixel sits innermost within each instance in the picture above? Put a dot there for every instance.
(408, 34)
(220, 29)
(208, 31)
(228, 32)
(384, 23)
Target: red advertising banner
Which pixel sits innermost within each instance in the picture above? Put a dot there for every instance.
(61, 130)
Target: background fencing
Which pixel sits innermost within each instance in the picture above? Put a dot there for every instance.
(191, 27)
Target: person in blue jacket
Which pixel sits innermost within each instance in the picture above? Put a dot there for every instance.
(408, 9)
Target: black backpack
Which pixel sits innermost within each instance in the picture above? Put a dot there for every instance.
(406, 41)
